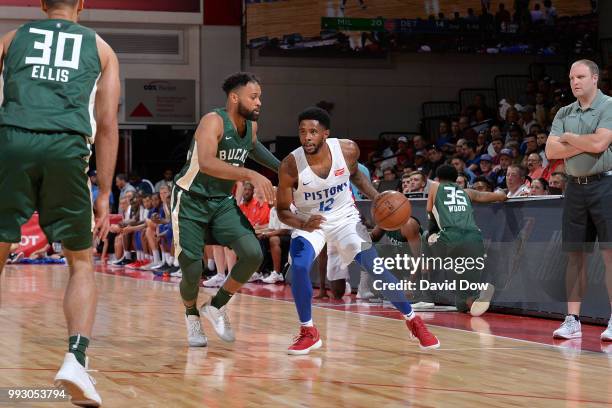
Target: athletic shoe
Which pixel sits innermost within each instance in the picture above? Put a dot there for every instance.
(134, 265)
(215, 282)
(273, 278)
(154, 265)
(347, 289)
(570, 329)
(122, 262)
(177, 274)
(164, 269)
(73, 377)
(363, 290)
(256, 276)
(418, 329)
(607, 334)
(307, 340)
(144, 266)
(195, 334)
(481, 305)
(219, 320)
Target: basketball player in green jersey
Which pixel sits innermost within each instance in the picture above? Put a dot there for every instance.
(204, 210)
(61, 90)
(454, 233)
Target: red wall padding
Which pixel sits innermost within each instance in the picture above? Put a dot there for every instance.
(192, 6)
(222, 12)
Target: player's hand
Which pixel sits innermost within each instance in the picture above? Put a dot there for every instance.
(261, 183)
(102, 225)
(313, 223)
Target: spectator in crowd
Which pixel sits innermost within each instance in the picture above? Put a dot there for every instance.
(534, 129)
(554, 166)
(168, 180)
(530, 145)
(459, 164)
(481, 142)
(558, 182)
(435, 159)
(515, 134)
(541, 109)
(481, 183)
(541, 138)
(485, 167)
(470, 156)
(93, 181)
(537, 15)
(527, 120)
(455, 130)
(419, 143)
(516, 154)
(420, 160)
(550, 13)
(403, 155)
(539, 187)
(389, 174)
(502, 17)
(143, 185)
(467, 132)
(278, 236)
(121, 181)
(405, 186)
(495, 148)
(257, 212)
(534, 164)
(416, 182)
(444, 136)
(516, 181)
(498, 177)
(462, 180)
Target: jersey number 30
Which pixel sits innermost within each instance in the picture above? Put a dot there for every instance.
(46, 46)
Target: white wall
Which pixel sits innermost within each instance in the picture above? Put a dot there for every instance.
(371, 100)
(220, 57)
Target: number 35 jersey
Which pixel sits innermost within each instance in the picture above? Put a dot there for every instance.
(50, 73)
(453, 208)
(330, 197)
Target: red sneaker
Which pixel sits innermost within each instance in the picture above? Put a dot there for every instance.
(307, 340)
(419, 330)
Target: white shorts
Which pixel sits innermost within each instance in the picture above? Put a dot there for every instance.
(335, 269)
(345, 233)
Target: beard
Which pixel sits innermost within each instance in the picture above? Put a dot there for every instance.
(252, 115)
(316, 150)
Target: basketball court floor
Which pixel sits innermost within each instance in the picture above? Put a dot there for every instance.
(141, 359)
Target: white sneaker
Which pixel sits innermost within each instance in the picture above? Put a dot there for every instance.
(570, 329)
(481, 305)
(177, 274)
(363, 290)
(215, 282)
(256, 276)
(195, 334)
(273, 278)
(73, 377)
(607, 334)
(347, 289)
(219, 320)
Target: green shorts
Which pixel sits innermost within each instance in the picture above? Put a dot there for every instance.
(45, 172)
(197, 221)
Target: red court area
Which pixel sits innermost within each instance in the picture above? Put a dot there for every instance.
(530, 329)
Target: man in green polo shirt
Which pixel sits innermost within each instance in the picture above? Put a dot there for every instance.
(581, 134)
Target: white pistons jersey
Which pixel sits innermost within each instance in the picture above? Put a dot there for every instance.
(330, 197)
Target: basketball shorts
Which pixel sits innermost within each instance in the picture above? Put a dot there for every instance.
(45, 172)
(335, 269)
(344, 231)
(197, 221)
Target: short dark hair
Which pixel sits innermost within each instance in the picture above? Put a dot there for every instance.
(447, 173)
(483, 179)
(318, 114)
(544, 183)
(471, 144)
(522, 169)
(55, 3)
(238, 80)
(559, 173)
(122, 177)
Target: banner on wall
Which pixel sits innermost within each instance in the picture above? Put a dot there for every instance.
(32, 237)
(160, 101)
(185, 6)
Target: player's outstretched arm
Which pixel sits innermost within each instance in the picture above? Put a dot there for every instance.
(5, 43)
(262, 155)
(107, 132)
(351, 156)
(485, 196)
(288, 178)
(208, 134)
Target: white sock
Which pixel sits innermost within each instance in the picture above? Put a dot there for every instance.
(139, 255)
(410, 316)
(170, 260)
(273, 272)
(165, 257)
(156, 259)
(211, 264)
(308, 323)
(176, 262)
(127, 255)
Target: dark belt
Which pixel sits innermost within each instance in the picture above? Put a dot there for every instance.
(589, 179)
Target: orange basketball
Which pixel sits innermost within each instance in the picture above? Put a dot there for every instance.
(391, 210)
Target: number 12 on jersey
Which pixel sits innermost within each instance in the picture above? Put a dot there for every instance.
(42, 68)
(326, 205)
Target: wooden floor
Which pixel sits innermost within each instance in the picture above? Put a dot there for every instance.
(139, 350)
(282, 17)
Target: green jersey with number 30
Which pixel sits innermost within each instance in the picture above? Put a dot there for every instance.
(453, 208)
(51, 70)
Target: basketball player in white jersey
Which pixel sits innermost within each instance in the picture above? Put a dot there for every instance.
(316, 179)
